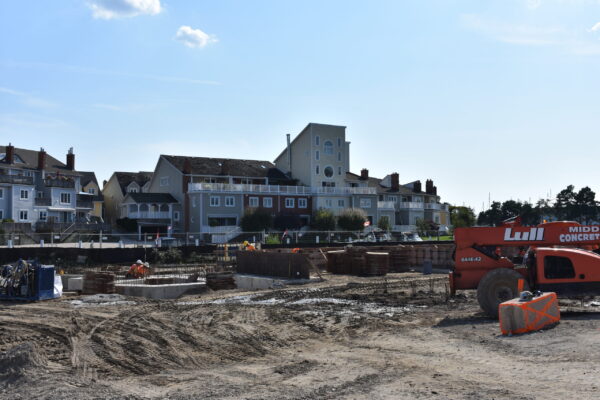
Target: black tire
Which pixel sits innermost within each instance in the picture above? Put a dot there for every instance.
(498, 286)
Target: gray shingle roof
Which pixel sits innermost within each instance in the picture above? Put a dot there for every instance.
(30, 161)
(228, 167)
(125, 178)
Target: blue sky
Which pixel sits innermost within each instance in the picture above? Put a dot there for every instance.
(495, 97)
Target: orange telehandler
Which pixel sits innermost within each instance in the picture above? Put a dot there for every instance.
(553, 256)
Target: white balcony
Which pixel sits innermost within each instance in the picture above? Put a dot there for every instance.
(386, 205)
(433, 206)
(149, 215)
(276, 189)
(411, 205)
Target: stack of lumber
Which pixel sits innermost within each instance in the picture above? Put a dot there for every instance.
(98, 282)
(375, 264)
(220, 280)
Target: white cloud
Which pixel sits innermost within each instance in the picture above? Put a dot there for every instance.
(28, 99)
(595, 28)
(109, 9)
(194, 37)
(572, 40)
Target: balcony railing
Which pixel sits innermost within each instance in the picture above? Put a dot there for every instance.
(411, 204)
(433, 206)
(276, 189)
(62, 183)
(16, 179)
(148, 215)
(386, 205)
(43, 201)
(85, 204)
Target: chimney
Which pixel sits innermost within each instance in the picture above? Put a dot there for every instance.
(41, 159)
(10, 154)
(71, 160)
(417, 187)
(435, 190)
(289, 153)
(429, 186)
(104, 182)
(364, 174)
(395, 181)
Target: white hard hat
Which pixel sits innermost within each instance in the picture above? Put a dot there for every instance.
(139, 262)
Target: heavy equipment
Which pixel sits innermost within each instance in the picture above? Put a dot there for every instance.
(27, 281)
(553, 256)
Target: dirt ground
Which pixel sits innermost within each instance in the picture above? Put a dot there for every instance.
(345, 338)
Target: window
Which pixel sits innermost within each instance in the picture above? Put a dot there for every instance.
(215, 201)
(23, 215)
(1, 214)
(317, 170)
(558, 268)
(267, 202)
(229, 201)
(316, 141)
(175, 215)
(289, 202)
(302, 203)
(29, 173)
(1, 193)
(339, 156)
(40, 195)
(65, 198)
(253, 202)
(164, 181)
(339, 170)
(328, 171)
(328, 148)
(436, 219)
(24, 194)
(365, 203)
(328, 203)
(194, 201)
(43, 216)
(341, 203)
(92, 190)
(393, 198)
(317, 155)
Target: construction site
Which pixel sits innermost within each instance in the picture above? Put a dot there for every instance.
(378, 321)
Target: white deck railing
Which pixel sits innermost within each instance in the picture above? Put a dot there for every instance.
(276, 189)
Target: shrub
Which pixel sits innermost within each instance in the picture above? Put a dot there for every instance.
(170, 256)
(384, 224)
(256, 220)
(324, 220)
(352, 219)
(127, 224)
(273, 238)
(283, 222)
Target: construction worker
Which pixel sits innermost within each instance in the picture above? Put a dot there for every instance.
(138, 270)
(248, 246)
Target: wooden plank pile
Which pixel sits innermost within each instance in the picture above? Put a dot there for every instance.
(358, 261)
(98, 282)
(220, 280)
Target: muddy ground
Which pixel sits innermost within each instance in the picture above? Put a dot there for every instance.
(345, 338)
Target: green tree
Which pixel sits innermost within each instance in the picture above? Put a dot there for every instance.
(324, 220)
(352, 219)
(384, 224)
(461, 217)
(565, 206)
(256, 220)
(422, 226)
(586, 205)
(492, 216)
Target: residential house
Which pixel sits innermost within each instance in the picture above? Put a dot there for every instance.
(38, 189)
(91, 194)
(214, 193)
(117, 187)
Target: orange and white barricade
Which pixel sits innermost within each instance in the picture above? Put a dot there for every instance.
(517, 316)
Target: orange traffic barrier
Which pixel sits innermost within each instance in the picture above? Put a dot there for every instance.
(518, 316)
